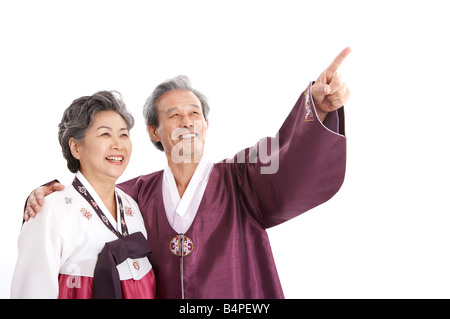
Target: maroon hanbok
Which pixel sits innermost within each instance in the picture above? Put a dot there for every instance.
(226, 251)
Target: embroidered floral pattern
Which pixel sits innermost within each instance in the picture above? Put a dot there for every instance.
(86, 213)
(124, 227)
(128, 211)
(94, 204)
(187, 246)
(309, 115)
(82, 190)
(105, 219)
(175, 246)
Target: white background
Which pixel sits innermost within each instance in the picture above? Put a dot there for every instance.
(384, 235)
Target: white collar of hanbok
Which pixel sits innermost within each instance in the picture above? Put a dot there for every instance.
(181, 205)
(99, 202)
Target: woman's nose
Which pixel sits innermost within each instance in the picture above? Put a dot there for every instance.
(116, 144)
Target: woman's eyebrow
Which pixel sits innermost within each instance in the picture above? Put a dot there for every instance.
(106, 127)
(110, 129)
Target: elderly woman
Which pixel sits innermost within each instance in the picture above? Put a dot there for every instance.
(89, 241)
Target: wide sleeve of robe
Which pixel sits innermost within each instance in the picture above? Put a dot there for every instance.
(43, 246)
(282, 177)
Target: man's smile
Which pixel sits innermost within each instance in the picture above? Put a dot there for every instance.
(187, 136)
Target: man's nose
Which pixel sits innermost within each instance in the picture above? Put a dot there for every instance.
(186, 121)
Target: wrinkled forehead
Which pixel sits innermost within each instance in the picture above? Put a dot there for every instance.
(108, 118)
(177, 99)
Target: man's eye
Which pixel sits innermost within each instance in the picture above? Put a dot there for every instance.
(173, 115)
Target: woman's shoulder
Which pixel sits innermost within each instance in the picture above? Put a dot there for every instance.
(60, 199)
(54, 209)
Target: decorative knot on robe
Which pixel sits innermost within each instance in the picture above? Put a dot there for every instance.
(106, 282)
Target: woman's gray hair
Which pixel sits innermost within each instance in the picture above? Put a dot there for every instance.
(180, 82)
(78, 117)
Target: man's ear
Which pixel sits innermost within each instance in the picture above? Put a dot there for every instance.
(152, 132)
(74, 148)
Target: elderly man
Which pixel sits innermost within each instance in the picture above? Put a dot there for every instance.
(207, 222)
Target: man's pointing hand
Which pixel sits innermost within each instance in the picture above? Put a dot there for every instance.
(329, 91)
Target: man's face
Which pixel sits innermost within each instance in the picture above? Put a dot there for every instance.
(182, 126)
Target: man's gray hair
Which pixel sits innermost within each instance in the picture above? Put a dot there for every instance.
(180, 82)
(78, 117)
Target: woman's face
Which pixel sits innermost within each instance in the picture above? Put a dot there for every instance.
(106, 148)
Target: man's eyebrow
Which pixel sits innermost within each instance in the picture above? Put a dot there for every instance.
(176, 108)
(170, 110)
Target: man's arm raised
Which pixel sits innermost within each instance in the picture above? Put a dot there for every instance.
(329, 91)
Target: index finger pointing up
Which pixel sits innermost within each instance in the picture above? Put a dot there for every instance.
(334, 66)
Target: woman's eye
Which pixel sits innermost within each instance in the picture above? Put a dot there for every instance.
(105, 134)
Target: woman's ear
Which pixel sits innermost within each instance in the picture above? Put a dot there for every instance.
(74, 148)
